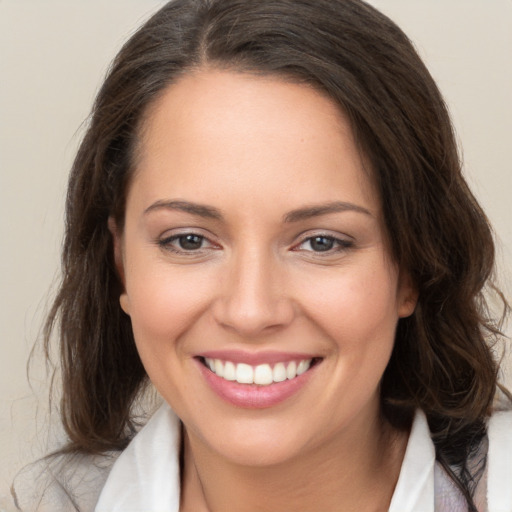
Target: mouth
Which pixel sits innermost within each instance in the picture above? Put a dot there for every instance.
(256, 380)
(264, 374)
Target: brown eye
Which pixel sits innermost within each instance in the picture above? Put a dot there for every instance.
(185, 243)
(190, 242)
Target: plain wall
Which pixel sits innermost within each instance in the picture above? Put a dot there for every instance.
(53, 55)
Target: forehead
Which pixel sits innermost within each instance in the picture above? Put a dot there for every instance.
(242, 131)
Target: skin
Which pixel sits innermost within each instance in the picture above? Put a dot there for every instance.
(255, 149)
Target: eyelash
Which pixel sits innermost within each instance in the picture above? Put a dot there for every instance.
(337, 245)
(167, 243)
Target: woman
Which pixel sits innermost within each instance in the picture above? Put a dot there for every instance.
(267, 220)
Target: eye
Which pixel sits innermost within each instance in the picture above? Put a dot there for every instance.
(190, 242)
(323, 243)
(185, 243)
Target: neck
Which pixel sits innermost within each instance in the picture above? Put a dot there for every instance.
(355, 471)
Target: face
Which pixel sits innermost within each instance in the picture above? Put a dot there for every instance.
(256, 269)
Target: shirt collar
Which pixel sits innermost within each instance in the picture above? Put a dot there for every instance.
(146, 475)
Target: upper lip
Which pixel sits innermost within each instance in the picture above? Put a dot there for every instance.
(256, 358)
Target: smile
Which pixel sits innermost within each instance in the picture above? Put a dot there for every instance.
(261, 375)
(256, 380)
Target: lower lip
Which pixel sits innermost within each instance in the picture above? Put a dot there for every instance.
(252, 396)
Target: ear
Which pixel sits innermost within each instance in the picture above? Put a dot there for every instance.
(117, 241)
(407, 295)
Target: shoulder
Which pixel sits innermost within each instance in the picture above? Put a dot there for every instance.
(499, 461)
(64, 482)
(491, 468)
(448, 496)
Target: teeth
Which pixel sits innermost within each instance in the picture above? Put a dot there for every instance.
(303, 366)
(262, 374)
(244, 374)
(279, 373)
(291, 370)
(229, 371)
(219, 367)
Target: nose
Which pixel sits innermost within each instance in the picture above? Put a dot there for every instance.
(252, 299)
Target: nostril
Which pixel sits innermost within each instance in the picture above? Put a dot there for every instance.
(251, 316)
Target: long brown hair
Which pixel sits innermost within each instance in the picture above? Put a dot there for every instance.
(442, 361)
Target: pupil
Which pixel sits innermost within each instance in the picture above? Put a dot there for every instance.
(322, 243)
(190, 242)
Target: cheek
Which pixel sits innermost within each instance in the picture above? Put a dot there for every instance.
(164, 304)
(356, 307)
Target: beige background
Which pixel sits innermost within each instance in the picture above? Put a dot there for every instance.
(53, 55)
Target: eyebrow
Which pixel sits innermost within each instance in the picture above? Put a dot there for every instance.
(200, 210)
(323, 209)
(297, 215)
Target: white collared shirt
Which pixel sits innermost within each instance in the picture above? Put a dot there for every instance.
(146, 479)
